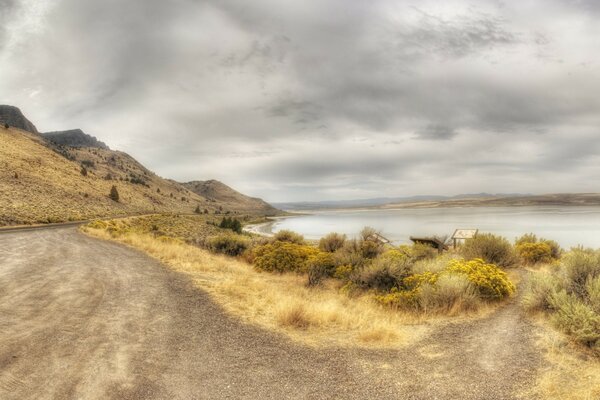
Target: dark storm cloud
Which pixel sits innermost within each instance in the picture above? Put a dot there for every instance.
(319, 99)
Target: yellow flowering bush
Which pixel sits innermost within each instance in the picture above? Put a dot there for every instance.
(533, 253)
(283, 257)
(489, 280)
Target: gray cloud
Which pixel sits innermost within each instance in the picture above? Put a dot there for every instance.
(319, 99)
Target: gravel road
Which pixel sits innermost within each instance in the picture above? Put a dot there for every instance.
(87, 319)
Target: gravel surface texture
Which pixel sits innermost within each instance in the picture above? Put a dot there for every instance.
(82, 318)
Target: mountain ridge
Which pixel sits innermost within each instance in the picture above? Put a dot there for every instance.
(42, 181)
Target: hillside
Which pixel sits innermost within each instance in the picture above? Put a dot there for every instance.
(14, 117)
(220, 193)
(74, 138)
(42, 182)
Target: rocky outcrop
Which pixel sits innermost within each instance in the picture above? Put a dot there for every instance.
(74, 138)
(14, 118)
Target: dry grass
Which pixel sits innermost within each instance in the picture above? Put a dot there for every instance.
(38, 185)
(570, 373)
(315, 316)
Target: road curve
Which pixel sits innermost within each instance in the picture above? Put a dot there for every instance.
(87, 319)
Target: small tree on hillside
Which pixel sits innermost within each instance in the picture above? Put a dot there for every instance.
(83, 171)
(114, 194)
(197, 210)
(6, 126)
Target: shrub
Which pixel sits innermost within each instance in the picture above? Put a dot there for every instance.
(555, 249)
(320, 266)
(534, 253)
(537, 292)
(490, 248)
(227, 244)
(83, 171)
(343, 272)
(578, 267)
(526, 238)
(289, 236)
(6, 126)
(230, 223)
(197, 210)
(593, 294)
(421, 251)
(451, 293)
(332, 242)
(382, 274)
(283, 257)
(114, 194)
(576, 318)
(88, 163)
(490, 281)
(435, 265)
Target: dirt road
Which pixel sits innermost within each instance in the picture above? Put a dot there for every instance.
(87, 319)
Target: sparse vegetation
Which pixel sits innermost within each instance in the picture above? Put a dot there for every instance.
(570, 295)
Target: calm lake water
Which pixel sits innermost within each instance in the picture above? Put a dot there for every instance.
(569, 226)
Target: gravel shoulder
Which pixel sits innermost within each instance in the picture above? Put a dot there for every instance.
(87, 319)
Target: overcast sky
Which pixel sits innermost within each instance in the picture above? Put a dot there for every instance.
(324, 99)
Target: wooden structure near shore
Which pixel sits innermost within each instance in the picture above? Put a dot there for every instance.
(432, 241)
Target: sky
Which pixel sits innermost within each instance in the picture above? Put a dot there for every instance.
(321, 99)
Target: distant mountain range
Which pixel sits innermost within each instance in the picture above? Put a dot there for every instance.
(68, 175)
(383, 201)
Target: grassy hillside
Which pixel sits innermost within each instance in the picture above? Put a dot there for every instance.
(40, 184)
(231, 199)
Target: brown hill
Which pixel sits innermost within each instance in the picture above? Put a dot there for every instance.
(44, 182)
(229, 198)
(14, 117)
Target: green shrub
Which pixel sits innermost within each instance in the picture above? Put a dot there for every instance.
(332, 242)
(228, 244)
(283, 257)
(534, 253)
(490, 248)
(289, 236)
(576, 318)
(489, 280)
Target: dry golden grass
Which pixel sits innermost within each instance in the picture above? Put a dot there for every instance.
(315, 316)
(570, 373)
(38, 185)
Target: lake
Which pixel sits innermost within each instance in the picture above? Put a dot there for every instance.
(569, 226)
